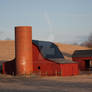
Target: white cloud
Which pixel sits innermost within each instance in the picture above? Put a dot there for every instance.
(50, 36)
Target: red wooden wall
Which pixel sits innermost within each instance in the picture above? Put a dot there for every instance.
(81, 62)
(69, 69)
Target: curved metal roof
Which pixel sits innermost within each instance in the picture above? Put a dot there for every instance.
(50, 51)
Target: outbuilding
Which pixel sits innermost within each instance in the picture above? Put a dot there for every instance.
(84, 59)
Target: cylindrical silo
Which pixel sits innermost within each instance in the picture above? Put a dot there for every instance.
(23, 50)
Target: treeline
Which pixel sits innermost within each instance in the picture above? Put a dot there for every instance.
(88, 43)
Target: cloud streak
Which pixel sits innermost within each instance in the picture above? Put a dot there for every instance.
(51, 36)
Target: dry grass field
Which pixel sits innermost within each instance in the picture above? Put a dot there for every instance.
(7, 49)
(68, 49)
(80, 83)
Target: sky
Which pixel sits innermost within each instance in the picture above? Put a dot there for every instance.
(65, 21)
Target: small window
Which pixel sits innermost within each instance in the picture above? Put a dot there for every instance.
(39, 67)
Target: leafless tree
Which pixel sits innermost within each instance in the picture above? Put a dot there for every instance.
(88, 43)
(7, 38)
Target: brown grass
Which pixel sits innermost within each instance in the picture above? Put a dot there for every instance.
(7, 49)
(68, 49)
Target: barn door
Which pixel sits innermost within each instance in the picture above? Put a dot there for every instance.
(87, 64)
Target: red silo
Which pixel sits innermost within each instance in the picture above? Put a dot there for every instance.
(23, 50)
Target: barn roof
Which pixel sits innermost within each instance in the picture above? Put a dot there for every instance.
(82, 53)
(50, 51)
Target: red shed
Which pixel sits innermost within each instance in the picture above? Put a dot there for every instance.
(84, 58)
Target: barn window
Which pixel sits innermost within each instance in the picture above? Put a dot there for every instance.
(39, 67)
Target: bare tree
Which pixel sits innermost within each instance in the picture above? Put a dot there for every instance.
(7, 38)
(88, 43)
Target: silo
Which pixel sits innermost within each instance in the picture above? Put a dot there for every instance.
(23, 50)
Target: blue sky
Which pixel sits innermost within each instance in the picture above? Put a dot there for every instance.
(65, 21)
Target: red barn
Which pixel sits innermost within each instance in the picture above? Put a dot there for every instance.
(84, 58)
(47, 61)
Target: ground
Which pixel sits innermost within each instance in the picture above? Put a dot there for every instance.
(80, 83)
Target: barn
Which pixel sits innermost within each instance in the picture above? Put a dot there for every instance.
(37, 57)
(47, 61)
(84, 58)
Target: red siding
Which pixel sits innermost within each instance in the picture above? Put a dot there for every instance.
(81, 62)
(75, 69)
(69, 69)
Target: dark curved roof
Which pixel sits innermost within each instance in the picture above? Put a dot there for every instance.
(48, 49)
(82, 53)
